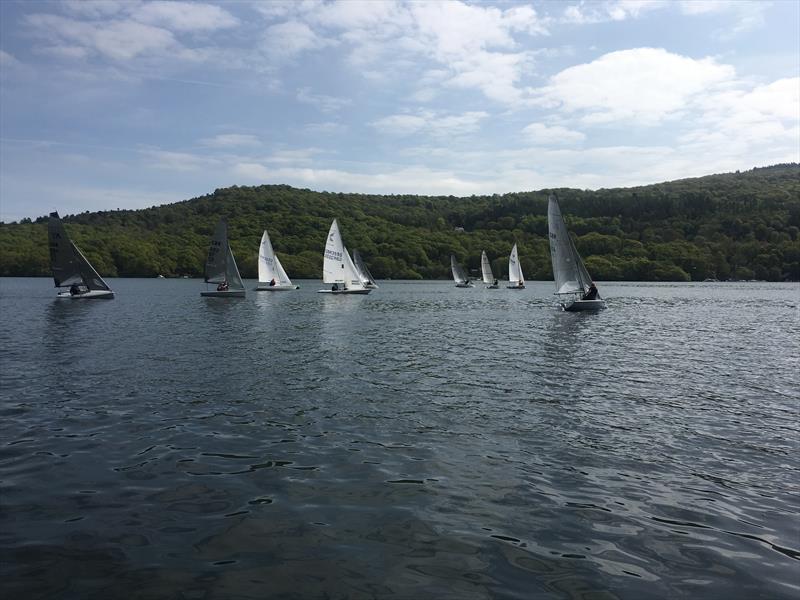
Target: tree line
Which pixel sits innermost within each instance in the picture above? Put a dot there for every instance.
(741, 225)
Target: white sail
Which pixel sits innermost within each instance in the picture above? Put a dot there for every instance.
(232, 272)
(220, 263)
(363, 271)
(337, 266)
(69, 265)
(269, 266)
(569, 271)
(459, 276)
(486, 269)
(283, 278)
(515, 275)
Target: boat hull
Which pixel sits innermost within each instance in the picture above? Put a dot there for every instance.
(465, 285)
(223, 294)
(337, 292)
(492, 287)
(277, 288)
(90, 295)
(583, 305)
(515, 287)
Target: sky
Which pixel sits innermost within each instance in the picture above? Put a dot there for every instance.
(107, 104)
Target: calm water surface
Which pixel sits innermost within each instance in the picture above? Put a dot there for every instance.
(420, 442)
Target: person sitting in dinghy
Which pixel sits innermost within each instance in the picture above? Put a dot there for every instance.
(223, 287)
(591, 293)
(272, 283)
(74, 290)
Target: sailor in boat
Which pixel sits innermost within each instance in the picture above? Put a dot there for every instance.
(335, 287)
(74, 290)
(272, 283)
(496, 282)
(223, 287)
(591, 293)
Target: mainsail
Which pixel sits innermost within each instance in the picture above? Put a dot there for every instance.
(515, 275)
(459, 275)
(486, 269)
(363, 271)
(67, 262)
(337, 266)
(569, 271)
(269, 265)
(220, 264)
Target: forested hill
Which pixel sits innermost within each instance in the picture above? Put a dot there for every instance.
(736, 225)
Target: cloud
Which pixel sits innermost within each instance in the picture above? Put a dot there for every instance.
(184, 16)
(324, 129)
(613, 10)
(641, 85)
(324, 103)
(289, 39)
(542, 134)
(178, 161)
(116, 40)
(430, 123)
(231, 140)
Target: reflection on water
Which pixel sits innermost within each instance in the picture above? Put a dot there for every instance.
(422, 441)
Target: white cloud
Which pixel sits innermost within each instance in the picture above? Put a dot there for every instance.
(117, 40)
(430, 123)
(641, 85)
(184, 16)
(178, 161)
(612, 10)
(8, 61)
(321, 101)
(97, 8)
(542, 134)
(231, 140)
(287, 40)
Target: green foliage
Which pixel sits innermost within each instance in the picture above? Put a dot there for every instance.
(737, 225)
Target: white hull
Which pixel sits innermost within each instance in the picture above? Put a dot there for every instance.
(90, 295)
(465, 285)
(223, 294)
(276, 288)
(362, 292)
(493, 287)
(581, 305)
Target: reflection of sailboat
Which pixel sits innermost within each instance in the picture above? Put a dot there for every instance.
(221, 266)
(570, 274)
(363, 271)
(70, 267)
(486, 273)
(338, 268)
(272, 276)
(516, 280)
(459, 276)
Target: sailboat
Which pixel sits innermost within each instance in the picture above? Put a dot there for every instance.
(221, 266)
(70, 267)
(486, 273)
(363, 271)
(338, 268)
(272, 276)
(459, 276)
(516, 280)
(572, 279)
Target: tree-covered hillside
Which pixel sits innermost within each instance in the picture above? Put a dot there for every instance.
(735, 225)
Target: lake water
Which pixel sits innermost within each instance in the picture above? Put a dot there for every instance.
(420, 442)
